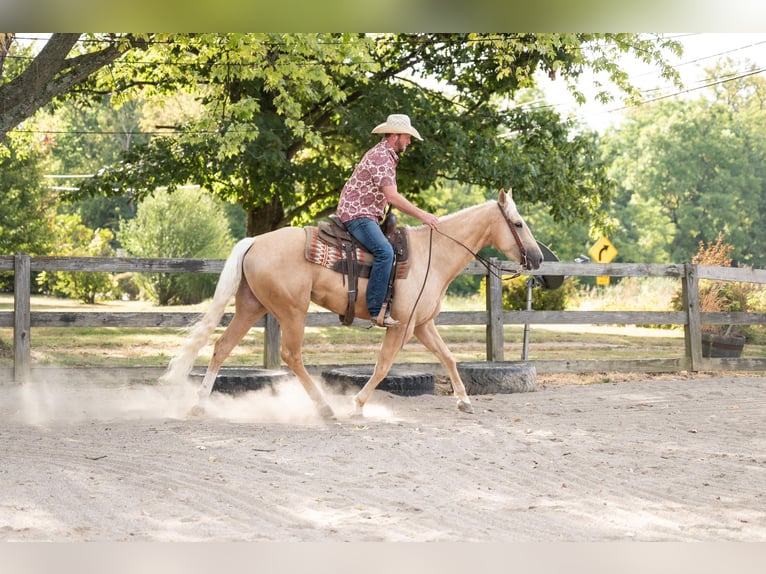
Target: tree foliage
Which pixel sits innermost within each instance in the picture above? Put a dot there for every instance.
(26, 215)
(282, 118)
(82, 137)
(73, 238)
(689, 170)
(26, 208)
(515, 295)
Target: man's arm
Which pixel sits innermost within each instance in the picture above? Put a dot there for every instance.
(402, 204)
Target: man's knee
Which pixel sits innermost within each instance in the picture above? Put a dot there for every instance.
(384, 254)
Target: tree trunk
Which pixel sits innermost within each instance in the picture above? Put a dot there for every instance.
(6, 38)
(265, 217)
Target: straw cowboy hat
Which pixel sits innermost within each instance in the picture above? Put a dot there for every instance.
(397, 124)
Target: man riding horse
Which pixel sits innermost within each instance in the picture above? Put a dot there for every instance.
(362, 205)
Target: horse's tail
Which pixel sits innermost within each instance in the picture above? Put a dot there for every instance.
(228, 283)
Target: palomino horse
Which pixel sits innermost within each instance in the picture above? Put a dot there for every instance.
(269, 273)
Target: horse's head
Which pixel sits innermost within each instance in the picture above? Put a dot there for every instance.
(516, 241)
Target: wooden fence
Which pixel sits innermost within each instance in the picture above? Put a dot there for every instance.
(23, 319)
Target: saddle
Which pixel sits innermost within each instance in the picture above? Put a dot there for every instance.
(331, 245)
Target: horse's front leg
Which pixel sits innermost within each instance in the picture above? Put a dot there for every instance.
(392, 343)
(430, 337)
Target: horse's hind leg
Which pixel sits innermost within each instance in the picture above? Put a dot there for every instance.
(430, 337)
(247, 311)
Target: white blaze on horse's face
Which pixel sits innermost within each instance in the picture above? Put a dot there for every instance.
(518, 242)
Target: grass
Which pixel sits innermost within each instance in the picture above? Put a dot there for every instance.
(153, 347)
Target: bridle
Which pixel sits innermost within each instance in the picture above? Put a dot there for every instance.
(519, 244)
(483, 260)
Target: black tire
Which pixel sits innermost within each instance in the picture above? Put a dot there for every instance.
(234, 381)
(399, 381)
(487, 378)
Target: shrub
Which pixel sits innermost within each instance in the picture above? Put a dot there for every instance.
(515, 295)
(719, 296)
(75, 239)
(187, 223)
(125, 287)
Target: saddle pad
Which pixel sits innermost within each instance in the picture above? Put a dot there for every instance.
(326, 255)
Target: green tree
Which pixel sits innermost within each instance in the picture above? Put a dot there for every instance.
(282, 118)
(27, 208)
(83, 137)
(73, 238)
(687, 171)
(186, 224)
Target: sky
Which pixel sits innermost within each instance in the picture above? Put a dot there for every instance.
(701, 50)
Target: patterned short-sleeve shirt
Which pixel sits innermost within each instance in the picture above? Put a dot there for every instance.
(362, 195)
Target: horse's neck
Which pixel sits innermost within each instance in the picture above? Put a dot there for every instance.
(461, 235)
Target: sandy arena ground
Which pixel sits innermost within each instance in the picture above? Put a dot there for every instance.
(671, 459)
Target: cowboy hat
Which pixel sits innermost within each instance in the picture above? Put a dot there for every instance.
(397, 124)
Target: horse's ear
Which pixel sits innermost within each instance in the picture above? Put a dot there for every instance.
(504, 196)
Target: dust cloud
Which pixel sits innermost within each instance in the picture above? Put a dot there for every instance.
(56, 401)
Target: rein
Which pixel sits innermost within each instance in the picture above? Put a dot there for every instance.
(491, 268)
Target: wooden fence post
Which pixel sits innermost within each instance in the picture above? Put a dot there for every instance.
(272, 343)
(494, 314)
(22, 281)
(692, 329)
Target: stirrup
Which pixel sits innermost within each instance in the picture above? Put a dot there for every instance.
(386, 322)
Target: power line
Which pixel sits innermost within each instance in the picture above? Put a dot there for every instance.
(694, 89)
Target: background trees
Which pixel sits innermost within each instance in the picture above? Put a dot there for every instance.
(689, 170)
(63, 63)
(72, 238)
(187, 223)
(272, 124)
(26, 208)
(281, 119)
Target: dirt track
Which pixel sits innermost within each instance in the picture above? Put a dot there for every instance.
(677, 460)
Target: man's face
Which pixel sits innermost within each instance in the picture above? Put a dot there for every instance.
(401, 142)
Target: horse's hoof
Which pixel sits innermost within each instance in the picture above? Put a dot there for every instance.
(326, 413)
(464, 405)
(358, 409)
(197, 411)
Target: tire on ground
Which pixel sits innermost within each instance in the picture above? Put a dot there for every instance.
(486, 378)
(234, 381)
(399, 380)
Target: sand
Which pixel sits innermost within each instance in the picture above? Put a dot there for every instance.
(651, 460)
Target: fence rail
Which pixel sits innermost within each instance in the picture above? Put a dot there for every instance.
(494, 318)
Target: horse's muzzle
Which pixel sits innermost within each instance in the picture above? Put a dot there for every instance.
(532, 260)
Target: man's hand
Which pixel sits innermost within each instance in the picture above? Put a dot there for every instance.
(429, 219)
(402, 204)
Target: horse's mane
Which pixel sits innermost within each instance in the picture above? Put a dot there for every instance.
(456, 214)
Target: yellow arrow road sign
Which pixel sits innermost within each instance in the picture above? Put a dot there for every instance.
(603, 251)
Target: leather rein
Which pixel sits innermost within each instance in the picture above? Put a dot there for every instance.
(480, 258)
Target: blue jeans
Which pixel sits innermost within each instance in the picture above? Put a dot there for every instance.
(368, 233)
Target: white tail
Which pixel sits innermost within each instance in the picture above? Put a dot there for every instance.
(228, 283)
